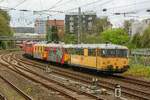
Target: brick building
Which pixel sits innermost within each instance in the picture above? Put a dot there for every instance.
(59, 24)
(41, 26)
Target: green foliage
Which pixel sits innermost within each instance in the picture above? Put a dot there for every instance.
(5, 15)
(145, 38)
(52, 34)
(115, 36)
(5, 29)
(138, 70)
(48, 34)
(70, 38)
(101, 24)
(141, 40)
(91, 39)
(127, 25)
(55, 37)
(136, 41)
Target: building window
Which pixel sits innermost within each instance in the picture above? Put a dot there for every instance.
(89, 25)
(71, 18)
(90, 18)
(71, 23)
(84, 21)
(71, 29)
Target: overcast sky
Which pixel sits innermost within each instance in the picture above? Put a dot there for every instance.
(19, 18)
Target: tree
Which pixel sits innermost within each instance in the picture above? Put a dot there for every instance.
(55, 37)
(116, 36)
(141, 40)
(5, 15)
(145, 38)
(70, 38)
(49, 34)
(136, 41)
(5, 29)
(91, 38)
(127, 25)
(102, 24)
(52, 34)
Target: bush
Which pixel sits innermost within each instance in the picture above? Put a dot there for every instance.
(138, 70)
(115, 36)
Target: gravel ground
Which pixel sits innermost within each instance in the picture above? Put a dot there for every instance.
(36, 91)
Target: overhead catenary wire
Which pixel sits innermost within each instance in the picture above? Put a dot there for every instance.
(127, 12)
(58, 5)
(91, 3)
(19, 4)
(128, 5)
(59, 1)
(41, 4)
(96, 3)
(87, 4)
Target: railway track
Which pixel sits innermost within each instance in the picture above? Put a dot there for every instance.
(66, 91)
(24, 95)
(127, 90)
(2, 97)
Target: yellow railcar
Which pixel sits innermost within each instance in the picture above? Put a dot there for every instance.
(102, 57)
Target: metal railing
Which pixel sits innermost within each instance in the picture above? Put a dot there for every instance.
(5, 38)
(141, 52)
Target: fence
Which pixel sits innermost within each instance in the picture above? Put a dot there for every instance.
(140, 56)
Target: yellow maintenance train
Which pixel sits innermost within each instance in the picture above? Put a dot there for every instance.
(101, 57)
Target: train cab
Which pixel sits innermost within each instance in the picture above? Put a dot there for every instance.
(102, 57)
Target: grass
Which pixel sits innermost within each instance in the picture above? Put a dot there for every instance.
(138, 70)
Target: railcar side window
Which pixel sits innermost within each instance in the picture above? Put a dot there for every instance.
(72, 51)
(79, 51)
(104, 52)
(75, 51)
(114, 53)
(122, 53)
(91, 52)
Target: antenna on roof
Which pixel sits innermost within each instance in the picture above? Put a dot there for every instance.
(107, 42)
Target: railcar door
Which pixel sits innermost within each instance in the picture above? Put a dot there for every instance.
(101, 59)
(90, 58)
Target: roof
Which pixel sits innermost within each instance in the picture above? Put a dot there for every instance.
(92, 46)
(83, 13)
(23, 29)
(56, 22)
